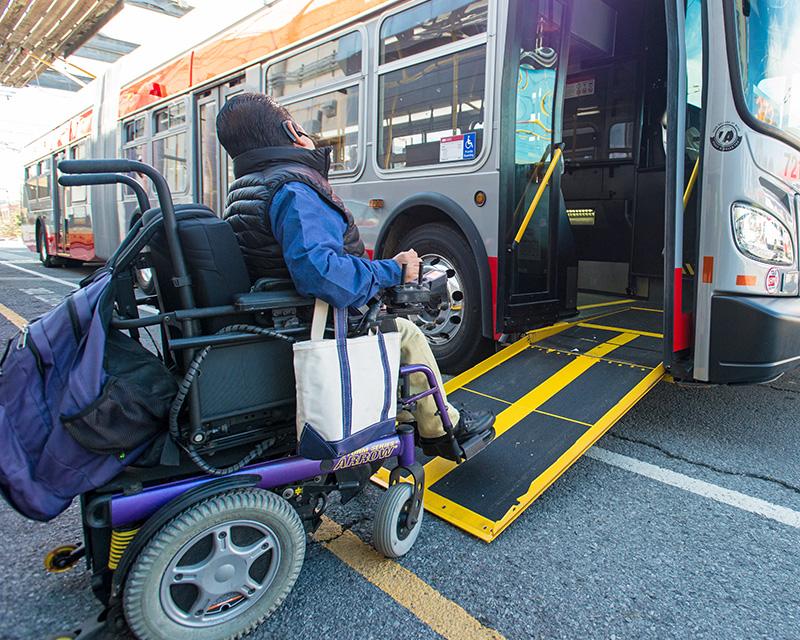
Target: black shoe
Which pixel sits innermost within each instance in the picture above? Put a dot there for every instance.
(471, 424)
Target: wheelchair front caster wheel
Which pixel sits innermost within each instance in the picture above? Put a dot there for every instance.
(390, 535)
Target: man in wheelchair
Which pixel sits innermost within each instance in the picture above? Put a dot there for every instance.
(290, 223)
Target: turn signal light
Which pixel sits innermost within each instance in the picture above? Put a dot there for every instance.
(376, 203)
(480, 198)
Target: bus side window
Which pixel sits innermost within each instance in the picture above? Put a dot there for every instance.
(432, 111)
(134, 148)
(332, 116)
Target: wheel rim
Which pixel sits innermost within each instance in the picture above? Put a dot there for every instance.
(441, 326)
(220, 573)
(144, 278)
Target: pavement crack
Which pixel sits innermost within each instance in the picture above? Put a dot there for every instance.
(706, 465)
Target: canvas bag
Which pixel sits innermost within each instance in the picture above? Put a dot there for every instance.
(346, 387)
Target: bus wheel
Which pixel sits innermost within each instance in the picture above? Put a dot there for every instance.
(44, 254)
(454, 332)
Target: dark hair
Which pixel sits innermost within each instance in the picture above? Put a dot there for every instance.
(251, 121)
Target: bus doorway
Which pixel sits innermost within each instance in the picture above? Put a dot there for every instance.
(614, 154)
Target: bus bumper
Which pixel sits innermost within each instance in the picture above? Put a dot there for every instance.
(753, 339)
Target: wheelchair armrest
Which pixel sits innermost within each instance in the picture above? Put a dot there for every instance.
(267, 300)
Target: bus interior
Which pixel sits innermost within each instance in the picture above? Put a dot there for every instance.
(614, 153)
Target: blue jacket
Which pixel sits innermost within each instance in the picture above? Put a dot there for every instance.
(311, 235)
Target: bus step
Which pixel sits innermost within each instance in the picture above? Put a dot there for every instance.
(555, 393)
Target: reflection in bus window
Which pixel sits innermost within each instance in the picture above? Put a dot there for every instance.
(694, 53)
(332, 119)
(316, 67)
(209, 167)
(133, 148)
(432, 112)
(170, 159)
(430, 25)
(768, 32)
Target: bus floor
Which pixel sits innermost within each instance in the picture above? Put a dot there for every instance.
(555, 392)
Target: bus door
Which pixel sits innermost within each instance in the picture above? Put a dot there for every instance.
(60, 224)
(538, 268)
(214, 169)
(747, 322)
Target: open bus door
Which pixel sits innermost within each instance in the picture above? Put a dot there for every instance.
(537, 264)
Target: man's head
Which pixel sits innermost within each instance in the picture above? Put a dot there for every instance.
(252, 120)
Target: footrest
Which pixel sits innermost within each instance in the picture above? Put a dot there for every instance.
(476, 444)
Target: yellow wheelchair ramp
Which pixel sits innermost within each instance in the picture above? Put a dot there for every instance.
(554, 392)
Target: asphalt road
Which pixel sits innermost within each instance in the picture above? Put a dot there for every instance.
(643, 551)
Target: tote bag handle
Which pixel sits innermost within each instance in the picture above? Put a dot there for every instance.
(320, 318)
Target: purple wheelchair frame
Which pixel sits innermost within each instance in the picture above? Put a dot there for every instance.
(128, 510)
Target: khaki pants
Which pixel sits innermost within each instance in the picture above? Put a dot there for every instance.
(414, 349)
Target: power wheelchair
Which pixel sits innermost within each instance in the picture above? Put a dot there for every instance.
(205, 535)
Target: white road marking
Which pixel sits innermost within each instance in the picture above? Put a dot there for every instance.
(44, 295)
(6, 263)
(742, 501)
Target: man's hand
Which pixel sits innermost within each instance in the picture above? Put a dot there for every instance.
(412, 263)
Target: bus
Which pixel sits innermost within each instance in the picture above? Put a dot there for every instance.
(545, 155)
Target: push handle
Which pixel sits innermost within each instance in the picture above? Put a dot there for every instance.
(692, 181)
(74, 180)
(181, 281)
(539, 193)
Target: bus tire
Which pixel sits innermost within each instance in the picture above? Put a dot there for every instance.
(455, 333)
(44, 253)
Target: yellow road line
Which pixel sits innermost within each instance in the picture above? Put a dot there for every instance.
(603, 304)
(437, 468)
(443, 616)
(649, 334)
(13, 317)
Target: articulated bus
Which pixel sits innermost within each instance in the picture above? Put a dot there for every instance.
(545, 154)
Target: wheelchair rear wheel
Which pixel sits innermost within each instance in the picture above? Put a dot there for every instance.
(390, 536)
(216, 570)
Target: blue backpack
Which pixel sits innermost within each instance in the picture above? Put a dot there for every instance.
(79, 401)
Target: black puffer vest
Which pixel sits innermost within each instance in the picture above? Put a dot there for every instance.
(260, 173)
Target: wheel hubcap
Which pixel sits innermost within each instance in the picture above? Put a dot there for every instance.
(441, 325)
(220, 573)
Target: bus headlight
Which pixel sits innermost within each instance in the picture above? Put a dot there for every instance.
(761, 236)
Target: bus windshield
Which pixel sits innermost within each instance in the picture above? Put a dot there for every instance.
(768, 45)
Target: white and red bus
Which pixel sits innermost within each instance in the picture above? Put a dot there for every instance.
(540, 152)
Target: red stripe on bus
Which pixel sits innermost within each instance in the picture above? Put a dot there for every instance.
(493, 272)
(681, 322)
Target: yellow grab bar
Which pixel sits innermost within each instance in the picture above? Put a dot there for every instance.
(535, 202)
(692, 180)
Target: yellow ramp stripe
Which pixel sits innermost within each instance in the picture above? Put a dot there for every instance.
(482, 367)
(612, 303)
(443, 616)
(437, 468)
(13, 317)
(649, 334)
(568, 458)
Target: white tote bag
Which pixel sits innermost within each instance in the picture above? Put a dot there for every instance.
(346, 387)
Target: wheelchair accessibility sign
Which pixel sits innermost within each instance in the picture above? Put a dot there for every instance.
(460, 147)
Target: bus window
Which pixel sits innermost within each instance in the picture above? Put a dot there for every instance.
(430, 25)
(767, 33)
(209, 148)
(134, 148)
(170, 156)
(43, 181)
(316, 67)
(432, 112)
(77, 195)
(31, 183)
(332, 119)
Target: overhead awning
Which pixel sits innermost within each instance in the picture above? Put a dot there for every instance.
(35, 33)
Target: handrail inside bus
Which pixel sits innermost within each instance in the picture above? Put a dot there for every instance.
(692, 180)
(80, 180)
(535, 202)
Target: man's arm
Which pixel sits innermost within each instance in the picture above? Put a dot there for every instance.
(311, 235)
